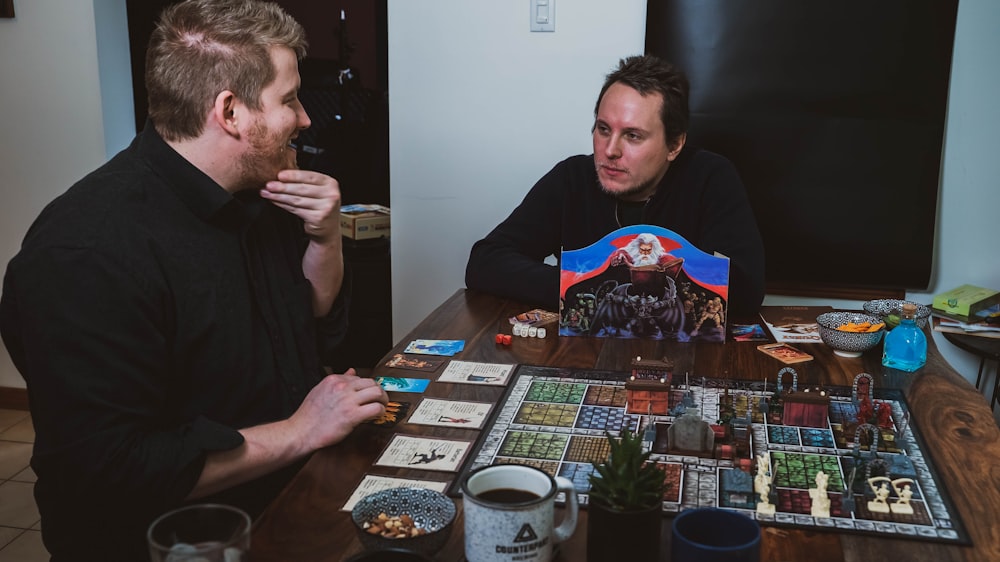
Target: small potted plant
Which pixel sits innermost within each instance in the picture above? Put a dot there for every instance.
(626, 495)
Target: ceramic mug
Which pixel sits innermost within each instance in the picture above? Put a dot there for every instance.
(510, 513)
(710, 534)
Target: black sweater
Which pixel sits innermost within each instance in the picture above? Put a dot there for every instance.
(701, 197)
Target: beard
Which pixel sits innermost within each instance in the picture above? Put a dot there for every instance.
(636, 192)
(269, 153)
(652, 258)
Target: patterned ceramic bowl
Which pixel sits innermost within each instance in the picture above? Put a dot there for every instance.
(430, 510)
(848, 344)
(889, 310)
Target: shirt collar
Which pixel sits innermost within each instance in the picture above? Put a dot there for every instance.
(201, 194)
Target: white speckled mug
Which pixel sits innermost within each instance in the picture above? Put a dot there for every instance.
(510, 513)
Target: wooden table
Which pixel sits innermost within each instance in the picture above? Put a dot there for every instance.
(305, 522)
(987, 350)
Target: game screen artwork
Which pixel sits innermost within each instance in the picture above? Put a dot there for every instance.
(843, 459)
(644, 281)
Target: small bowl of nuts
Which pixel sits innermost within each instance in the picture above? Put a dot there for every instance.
(415, 519)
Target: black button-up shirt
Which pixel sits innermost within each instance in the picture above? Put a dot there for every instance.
(152, 314)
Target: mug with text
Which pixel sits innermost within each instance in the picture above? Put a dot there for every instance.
(510, 513)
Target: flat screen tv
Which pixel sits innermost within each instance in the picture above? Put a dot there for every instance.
(834, 114)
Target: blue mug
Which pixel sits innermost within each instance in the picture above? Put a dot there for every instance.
(714, 535)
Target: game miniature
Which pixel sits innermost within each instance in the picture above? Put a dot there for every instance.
(648, 389)
(820, 501)
(847, 499)
(762, 485)
(880, 503)
(863, 387)
(904, 492)
(691, 435)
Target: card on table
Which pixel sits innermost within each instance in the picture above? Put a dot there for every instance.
(426, 363)
(785, 353)
(435, 347)
(476, 373)
(535, 317)
(451, 413)
(393, 414)
(401, 384)
(424, 453)
(372, 483)
(748, 332)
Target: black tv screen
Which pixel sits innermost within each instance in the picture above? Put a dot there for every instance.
(834, 115)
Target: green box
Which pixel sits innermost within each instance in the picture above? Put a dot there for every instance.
(966, 300)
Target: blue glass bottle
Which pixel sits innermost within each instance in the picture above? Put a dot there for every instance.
(905, 346)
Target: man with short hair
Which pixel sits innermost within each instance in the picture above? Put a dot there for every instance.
(166, 310)
(641, 172)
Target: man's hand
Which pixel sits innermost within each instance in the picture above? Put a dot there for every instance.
(311, 196)
(314, 198)
(335, 406)
(331, 410)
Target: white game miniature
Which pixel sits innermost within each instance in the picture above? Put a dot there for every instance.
(905, 492)
(762, 485)
(879, 504)
(820, 501)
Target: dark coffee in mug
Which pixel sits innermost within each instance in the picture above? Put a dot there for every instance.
(507, 495)
(509, 512)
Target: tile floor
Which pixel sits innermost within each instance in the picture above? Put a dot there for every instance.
(20, 538)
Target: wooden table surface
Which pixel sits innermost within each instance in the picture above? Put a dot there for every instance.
(305, 522)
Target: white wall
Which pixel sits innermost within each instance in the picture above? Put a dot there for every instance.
(51, 111)
(480, 108)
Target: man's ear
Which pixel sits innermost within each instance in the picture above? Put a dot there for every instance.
(677, 146)
(226, 112)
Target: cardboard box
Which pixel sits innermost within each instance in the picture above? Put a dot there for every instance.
(965, 301)
(361, 222)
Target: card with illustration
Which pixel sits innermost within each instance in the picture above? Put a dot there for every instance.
(424, 453)
(400, 384)
(748, 332)
(785, 353)
(393, 414)
(469, 372)
(426, 363)
(435, 347)
(535, 317)
(451, 413)
(372, 483)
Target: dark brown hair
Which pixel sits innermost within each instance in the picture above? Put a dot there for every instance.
(648, 74)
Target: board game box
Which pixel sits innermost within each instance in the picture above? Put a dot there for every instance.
(710, 434)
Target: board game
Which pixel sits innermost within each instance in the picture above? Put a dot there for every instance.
(709, 435)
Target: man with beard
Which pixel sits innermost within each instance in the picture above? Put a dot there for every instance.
(641, 172)
(166, 310)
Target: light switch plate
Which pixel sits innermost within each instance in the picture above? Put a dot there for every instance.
(543, 15)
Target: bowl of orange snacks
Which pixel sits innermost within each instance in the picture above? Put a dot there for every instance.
(850, 333)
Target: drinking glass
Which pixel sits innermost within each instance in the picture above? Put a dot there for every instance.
(200, 533)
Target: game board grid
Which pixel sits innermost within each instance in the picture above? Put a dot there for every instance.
(700, 477)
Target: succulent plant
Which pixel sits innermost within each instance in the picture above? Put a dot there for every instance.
(626, 481)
